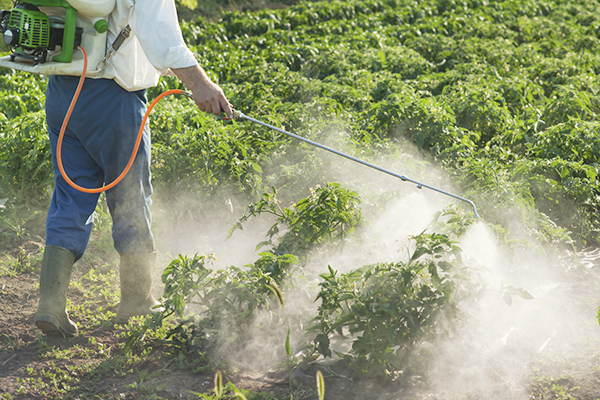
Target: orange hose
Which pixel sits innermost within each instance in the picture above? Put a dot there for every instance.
(135, 149)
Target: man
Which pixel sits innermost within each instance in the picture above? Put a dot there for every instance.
(97, 145)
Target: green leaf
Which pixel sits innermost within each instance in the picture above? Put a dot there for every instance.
(320, 385)
(277, 291)
(322, 344)
(218, 384)
(191, 4)
(237, 392)
(288, 349)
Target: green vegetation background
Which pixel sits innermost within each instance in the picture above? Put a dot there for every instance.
(503, 95)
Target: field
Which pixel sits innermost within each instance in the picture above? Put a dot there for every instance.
(280, 262)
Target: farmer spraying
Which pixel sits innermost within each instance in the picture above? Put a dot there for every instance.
(143, 41)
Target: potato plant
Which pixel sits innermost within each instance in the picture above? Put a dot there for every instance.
(329, 215)
(392, 311)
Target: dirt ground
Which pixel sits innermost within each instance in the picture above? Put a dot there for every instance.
(30, 364)
(22, 348)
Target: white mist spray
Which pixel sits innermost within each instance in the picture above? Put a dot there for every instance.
(506, 333)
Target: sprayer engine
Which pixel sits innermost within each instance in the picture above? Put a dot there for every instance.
(31, 34)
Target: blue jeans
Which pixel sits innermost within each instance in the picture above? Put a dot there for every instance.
(97, 145)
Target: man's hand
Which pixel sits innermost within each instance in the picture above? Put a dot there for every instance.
(209, 97)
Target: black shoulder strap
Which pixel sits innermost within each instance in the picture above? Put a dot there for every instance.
(121, 37)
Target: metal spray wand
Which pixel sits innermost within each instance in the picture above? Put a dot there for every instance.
(239, 114)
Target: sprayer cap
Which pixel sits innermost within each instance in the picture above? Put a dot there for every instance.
(101, 26)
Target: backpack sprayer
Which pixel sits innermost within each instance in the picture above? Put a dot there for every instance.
(43, 35)
(49, 37)
(35, 36)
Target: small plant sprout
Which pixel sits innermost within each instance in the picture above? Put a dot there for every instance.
(288, 349)
(218, 384)
(320, 385)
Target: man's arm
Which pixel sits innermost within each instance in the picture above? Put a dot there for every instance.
(166, 50)
(209, 97)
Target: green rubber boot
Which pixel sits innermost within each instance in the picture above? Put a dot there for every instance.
(136, 286)
(51, 316)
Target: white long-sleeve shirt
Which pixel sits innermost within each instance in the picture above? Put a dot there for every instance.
(154, 46)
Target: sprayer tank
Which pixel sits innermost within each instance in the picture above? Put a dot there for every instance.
(93, 8)
(91, 15)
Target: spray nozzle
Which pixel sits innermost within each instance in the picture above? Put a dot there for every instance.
(234, 115)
